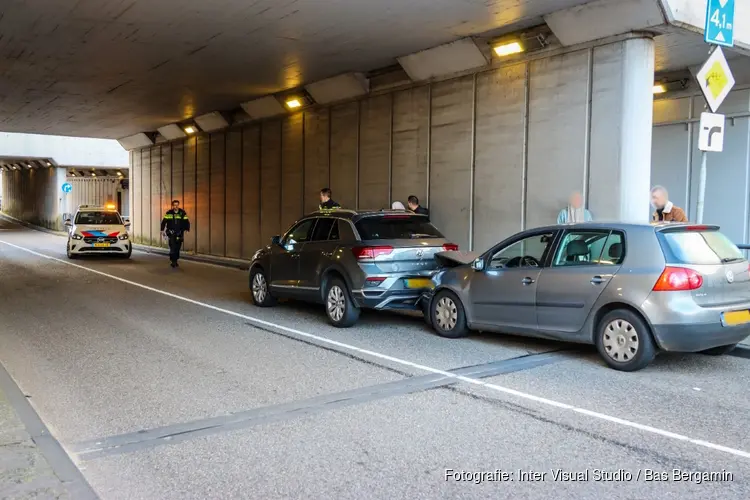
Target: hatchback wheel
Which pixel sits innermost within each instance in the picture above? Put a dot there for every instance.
(341, 310)
(259, 289)
(624, 341)
(719, 351)
(447, 316)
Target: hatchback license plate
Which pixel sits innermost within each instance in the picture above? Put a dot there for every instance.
(734, 318)
(418, 283)
(101, 245)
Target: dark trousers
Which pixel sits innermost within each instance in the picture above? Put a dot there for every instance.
(175, 243)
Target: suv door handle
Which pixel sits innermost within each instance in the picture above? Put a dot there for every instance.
(598, 280)
(527, 281)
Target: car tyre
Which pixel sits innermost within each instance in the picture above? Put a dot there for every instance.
(624, 340)
(70, 254)
(720, 350)
(259, 289)
(447, 315)
(127, 255)
(341, 310)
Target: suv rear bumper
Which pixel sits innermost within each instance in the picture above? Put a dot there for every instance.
(389, 299)
(694, 338)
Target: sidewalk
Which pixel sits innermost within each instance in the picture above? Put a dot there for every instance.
(24, 472)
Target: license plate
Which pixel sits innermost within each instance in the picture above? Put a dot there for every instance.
(734, 318)
(418, 283)
(101, 245)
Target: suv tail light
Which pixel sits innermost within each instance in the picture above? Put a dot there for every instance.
(675, 279)
(450, 247)
(364, 253)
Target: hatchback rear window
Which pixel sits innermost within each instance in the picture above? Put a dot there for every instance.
(396, 227)
(701, 247)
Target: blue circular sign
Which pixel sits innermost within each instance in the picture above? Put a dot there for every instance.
(67, 187)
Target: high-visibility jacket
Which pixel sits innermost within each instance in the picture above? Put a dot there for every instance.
(175, 222)
(329, 205)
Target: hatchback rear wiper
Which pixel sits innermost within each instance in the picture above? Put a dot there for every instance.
(727, 260)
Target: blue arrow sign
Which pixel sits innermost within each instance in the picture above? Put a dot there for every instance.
(720, 22)
(67, 187)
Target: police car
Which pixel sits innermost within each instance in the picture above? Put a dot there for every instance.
(98, 230)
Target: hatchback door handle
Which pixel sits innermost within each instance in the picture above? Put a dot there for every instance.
(527, 281)
(598, 280)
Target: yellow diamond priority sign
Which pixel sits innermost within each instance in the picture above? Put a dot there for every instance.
(715, 79)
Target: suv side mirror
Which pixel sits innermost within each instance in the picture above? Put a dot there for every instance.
(68, 223)
(276, 240)
(478, 264)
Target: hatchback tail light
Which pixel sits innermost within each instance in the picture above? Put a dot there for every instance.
(450, 247)
(364, 253)
(675, 279)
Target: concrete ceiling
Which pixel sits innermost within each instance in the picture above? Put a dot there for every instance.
(111, 68)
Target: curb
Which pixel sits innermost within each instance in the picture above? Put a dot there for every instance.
(206, 259)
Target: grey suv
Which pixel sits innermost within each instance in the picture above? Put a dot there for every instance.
(348, 260)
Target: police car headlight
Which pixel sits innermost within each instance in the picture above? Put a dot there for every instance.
(77, 237)
(123, 236)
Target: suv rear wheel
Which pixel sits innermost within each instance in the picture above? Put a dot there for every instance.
(341, 310)
(624, 341)
(447, 316)
(259, 289)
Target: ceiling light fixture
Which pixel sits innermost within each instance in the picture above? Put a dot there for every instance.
(190, 129)
(659, 88)
(49, 164)
(119, 173)
(293, 103)
(508, 48)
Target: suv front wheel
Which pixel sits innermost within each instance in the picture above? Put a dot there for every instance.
(341, 310)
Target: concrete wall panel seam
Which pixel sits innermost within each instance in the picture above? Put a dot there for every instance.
(390, 153)
(429, 141)
(472, 160)
(587, 137)
(525, 160)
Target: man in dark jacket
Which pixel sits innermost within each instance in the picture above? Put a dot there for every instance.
(415, 207)
(173, 225)
(326, 203)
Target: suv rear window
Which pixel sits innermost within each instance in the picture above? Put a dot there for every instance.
(396, 227)
(701, 247)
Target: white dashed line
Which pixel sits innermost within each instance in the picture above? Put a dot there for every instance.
(403, 362)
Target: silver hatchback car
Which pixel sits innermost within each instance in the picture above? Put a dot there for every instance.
(630, 289)
(348, 260)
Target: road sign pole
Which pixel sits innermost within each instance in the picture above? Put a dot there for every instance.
(702, 188)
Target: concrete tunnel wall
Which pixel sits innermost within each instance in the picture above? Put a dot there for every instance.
(34, 195)
(676, 161)
(490, 154)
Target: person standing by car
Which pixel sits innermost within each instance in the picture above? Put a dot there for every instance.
(575, 211)
(326, 203)
(174, 225)
(665, 210)
(415, 207)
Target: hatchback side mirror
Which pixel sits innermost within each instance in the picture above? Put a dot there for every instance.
(478, 264)
(276, 240)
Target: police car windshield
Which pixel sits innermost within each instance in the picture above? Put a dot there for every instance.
(97, 218)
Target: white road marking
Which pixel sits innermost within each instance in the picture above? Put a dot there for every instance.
(403, 362)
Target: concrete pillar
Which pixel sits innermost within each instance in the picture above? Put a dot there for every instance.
(620, 129)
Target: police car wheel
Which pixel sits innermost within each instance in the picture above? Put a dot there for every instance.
(341, 310)
(259, 289)
(71, 255)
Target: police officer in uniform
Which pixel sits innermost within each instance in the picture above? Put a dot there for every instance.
(326, 203)
(174, 225)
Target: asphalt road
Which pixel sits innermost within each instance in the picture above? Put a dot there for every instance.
(164, 383)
